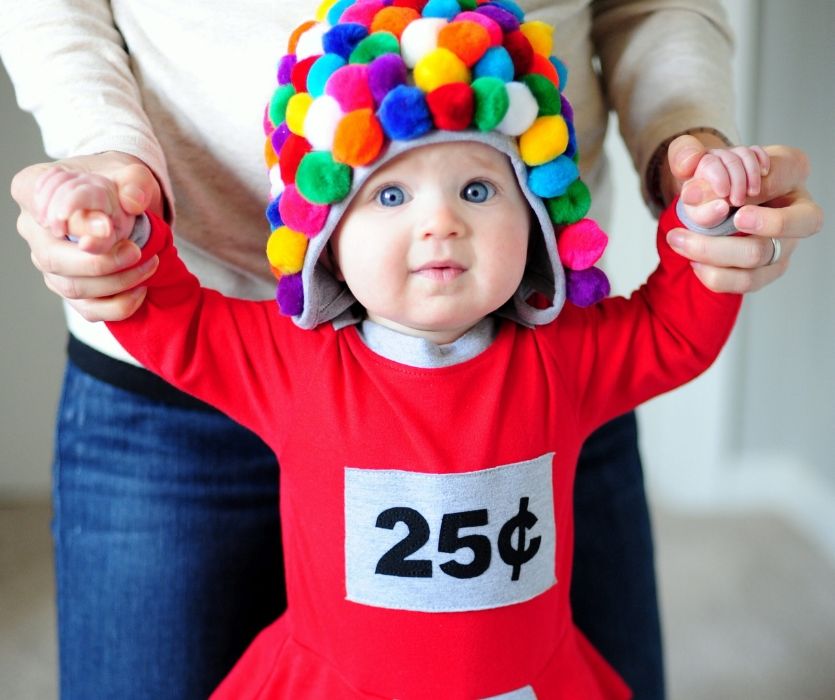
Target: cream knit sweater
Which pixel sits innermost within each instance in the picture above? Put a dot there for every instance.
(183, 86)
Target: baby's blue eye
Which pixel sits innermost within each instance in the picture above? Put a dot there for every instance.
(391, 196)
(477, 191)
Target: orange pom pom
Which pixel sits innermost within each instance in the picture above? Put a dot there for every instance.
(393, 19)
(270, 158)
(297, 32)
(358, 139)
(467, 40)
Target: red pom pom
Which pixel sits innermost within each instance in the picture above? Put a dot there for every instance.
(452, 106)
(543, 66)
(414, 4)
(294, 149)
(520, 50)
(298, 76)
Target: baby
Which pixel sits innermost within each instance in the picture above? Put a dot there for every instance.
(425, 405)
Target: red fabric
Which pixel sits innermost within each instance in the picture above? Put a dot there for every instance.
(322, 400)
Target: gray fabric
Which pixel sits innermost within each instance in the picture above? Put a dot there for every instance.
(726, 228)
(419, 352)
(326, 299)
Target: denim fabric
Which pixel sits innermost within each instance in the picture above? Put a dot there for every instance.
(613, 594)
(167, 544)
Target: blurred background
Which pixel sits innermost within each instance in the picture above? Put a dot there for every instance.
(740, 464)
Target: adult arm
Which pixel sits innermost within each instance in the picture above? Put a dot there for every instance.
(70, 69)
(666, 69)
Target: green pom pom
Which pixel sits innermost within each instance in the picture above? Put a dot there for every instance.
(468, 4)
(491, 102)
(373, 46)
(322, 180)
(546, 94)
(278, 103)
(570, 207)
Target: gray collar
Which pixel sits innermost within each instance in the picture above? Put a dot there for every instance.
(419, 352)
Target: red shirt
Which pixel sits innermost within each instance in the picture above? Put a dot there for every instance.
(426, 513)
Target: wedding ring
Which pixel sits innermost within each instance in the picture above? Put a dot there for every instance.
(778, 251)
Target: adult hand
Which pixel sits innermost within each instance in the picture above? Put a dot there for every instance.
(783, 210)
(100, 287)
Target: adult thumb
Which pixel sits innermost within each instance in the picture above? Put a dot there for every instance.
(683, 155)
(138, 189)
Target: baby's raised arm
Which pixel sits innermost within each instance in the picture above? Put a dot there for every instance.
(731, 175)
(87, 205)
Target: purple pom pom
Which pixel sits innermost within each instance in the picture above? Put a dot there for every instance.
(586, 287)
(404, 113)
(566, 109)
(285, 68)
(506, 20)
(279, 136)
(290, 295)
(384, 74)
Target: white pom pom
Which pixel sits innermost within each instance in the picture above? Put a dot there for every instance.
(419, 38)
(310, 43)
(276, 183)
(521, 112)
(321, 121)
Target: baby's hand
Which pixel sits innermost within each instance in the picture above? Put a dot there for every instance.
(724, 178)
(82, 207)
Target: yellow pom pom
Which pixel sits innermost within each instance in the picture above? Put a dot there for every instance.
(297, 108)
(541, 36)
(439, 67)
(322, 11)
(545, 140)
(286, 249)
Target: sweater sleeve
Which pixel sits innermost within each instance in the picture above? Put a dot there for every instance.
(666, 69)
(622, 352)
(70, 69)
(227, 352)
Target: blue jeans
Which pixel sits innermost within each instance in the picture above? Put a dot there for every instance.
(166, 537)
(613, 594)
(167, 547)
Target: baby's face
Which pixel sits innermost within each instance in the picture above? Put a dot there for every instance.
(435, 240)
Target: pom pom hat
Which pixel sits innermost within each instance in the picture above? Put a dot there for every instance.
(370, 79)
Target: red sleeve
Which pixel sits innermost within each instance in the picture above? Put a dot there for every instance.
(622, 352)
(221, 350)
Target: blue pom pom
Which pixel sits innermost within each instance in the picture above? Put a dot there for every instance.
(404, 113)
(553, 178)
(447, 9)
(342, 39)
(511, 7)
(273, 215)
(562, 71)
(322, 69)
(495, 63)
(336, 11)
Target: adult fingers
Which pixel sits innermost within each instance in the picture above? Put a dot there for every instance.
(683, 155)
(60, 257)
(89, 289)
(731, 263)
(114, 308)
(794, 215)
